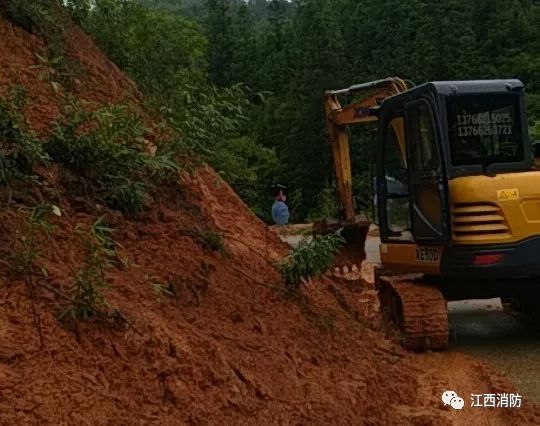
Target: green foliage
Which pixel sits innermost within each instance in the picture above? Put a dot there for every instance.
(216, 124)
(298, 50)
(26, 252)
(80, 9)
(214, 241)
(327, 205)
(104, 149)
(295, 201)
(160, 290)
(535, 131)
(310, 259)
(89, 282)
(126, 195)
(207, 118)
(166, 55)
(40, 17)
(47, 19)
(58, 70)
(248, 167)
(19, 147)
(533, 107)
(159, 50)
(219, 24)
(205, 66)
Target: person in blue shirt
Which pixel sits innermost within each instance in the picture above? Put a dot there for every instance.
(280, 211)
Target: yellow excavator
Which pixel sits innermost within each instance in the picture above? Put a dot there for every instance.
(457, 197)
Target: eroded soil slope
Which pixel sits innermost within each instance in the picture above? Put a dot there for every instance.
(224, 344)
(98, 79)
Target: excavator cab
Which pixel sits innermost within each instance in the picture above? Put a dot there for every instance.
(439, 144)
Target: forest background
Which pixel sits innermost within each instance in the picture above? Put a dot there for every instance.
(243, 81)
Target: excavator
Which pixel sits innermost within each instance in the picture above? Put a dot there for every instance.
(456, 192)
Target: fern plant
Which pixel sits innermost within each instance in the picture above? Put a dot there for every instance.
(26, 252)
(310, 259)
(19, 148)
(89, 282)
(105, 150)
(160, 289)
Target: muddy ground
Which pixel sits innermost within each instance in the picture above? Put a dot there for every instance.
(488, 346)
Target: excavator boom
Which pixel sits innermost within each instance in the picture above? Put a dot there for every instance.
(338, 118)
(363, 109)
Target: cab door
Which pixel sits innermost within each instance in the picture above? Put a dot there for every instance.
(428, 186)
(392, 179)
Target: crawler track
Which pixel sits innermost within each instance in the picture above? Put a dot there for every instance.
(417, 309)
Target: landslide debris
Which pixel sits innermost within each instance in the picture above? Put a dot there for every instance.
(198, 329)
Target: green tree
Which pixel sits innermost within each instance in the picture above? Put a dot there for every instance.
(220, 36)
(160, 51)
(244, 48)
(445, 42)
(289, 53)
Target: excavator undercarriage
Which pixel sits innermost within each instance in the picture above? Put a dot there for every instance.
(416, 308)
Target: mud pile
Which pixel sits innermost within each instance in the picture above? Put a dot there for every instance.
(227, 346)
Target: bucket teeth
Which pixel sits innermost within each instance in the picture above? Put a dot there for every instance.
(345, 270)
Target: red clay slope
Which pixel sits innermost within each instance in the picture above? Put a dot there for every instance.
(229, 348)
(100, 80)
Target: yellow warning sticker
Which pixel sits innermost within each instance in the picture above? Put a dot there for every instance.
(508, 194)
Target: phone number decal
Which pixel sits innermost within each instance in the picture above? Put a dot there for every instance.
(485, 118)
(484, 124)
(485, 130)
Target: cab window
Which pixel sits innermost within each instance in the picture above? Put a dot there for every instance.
(396, 180)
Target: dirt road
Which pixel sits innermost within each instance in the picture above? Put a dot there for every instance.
(482, 329)
(512, 347)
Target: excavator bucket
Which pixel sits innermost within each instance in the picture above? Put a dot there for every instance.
(353, 252)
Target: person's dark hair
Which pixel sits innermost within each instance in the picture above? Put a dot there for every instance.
(277, 188)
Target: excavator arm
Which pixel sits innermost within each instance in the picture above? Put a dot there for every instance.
(363, 110)
(366, 99)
